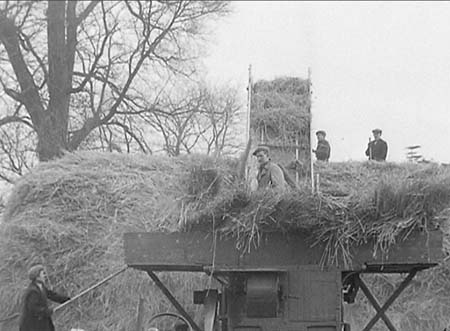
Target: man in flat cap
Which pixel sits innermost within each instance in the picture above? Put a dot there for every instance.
(270, 175)
(36, 313)
(377, 148)
(323, 148)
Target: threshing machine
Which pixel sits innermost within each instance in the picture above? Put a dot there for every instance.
(280, 285)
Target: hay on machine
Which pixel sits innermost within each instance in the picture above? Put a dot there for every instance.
(281, 109)
(70, 215)
(280, 119)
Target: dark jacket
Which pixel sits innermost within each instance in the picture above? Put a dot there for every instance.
(36, 313)
(270, 175)
(377, 150)
(323, 150)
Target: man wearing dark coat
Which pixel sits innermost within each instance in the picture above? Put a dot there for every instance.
(323, 148)
(36, 313)
(377, 148)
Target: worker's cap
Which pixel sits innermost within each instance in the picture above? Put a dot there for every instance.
(261, 149)
(377, 131)
(321, 132)
(34, 271)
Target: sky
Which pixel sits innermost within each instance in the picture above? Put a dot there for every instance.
(373, 65)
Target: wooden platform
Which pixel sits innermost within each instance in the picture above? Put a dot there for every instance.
(198, 251)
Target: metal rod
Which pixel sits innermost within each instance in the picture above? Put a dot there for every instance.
(173, 301)
(90, 289)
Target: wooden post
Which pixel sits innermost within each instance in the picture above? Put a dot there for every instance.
(318, 183)
(249, 105)
(296, 157)
(310, 131)
(140, 314)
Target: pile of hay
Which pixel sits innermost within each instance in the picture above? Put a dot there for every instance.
(280, 109)
(70, 215)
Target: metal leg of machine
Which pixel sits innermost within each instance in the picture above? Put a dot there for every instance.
(174, 301)
(382, 309)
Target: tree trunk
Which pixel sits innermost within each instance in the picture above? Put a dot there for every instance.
(52, 141)
(52, 133)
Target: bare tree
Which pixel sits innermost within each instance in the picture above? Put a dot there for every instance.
(218, 116)
(16, 151)
(178, 126)
(76, 68)
(199, 119)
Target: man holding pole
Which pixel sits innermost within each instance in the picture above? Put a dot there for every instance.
(377, 148)
(36, 313)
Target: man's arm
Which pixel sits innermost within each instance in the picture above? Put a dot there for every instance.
(368, 149)
(57, 297)
(384, 151)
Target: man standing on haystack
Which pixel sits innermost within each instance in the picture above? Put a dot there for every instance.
(323, 148)
(36, 313)
(377, 148)
(270, 175)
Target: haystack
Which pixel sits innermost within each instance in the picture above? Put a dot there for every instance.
(70, 215)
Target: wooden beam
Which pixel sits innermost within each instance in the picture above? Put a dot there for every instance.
(381, 310)
(195, 251)
(375, 305)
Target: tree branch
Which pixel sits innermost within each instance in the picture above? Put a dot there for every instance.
(133, 74)
(89, 8)
(26, 44)
(30, 93)
(14, 119)
(97, 57)
(71, 38)
(130, 133)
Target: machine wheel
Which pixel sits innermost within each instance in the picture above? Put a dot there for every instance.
(168, 314)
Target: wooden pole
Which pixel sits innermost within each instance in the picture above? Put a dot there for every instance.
(310, 131)
(90, 289)
(296, 158)
(249, 105)
(140, 314)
